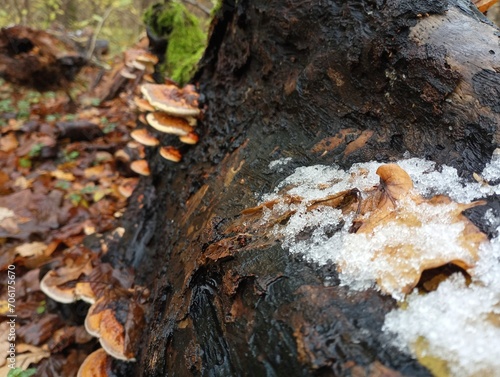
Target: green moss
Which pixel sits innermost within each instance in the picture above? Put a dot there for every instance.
(217, 5)
(186, 38)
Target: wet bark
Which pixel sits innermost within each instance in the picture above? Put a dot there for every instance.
(331, 82)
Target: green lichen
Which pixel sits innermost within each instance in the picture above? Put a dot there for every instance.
(185, 35)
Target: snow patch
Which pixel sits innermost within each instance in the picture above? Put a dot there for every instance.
(457, 321)
(277, 165)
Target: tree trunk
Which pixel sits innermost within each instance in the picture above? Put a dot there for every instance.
(323, 82)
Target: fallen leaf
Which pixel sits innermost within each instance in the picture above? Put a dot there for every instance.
(4, 342)
(8, 142)
(407, 257)
(38, 331)
(28, 354)
(31, 249)
(484, 5)
(62, 175)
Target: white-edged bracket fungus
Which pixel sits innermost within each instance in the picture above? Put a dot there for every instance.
(140, 167)
(190, 138)
(97, 364)
(127, 74)
(171, 99)
(148, 58)
(59, 284)
(168, 124)
(144, 137)
(143, 105)
(170, 153)
(127, 187)
(63, 294)
(101, 322)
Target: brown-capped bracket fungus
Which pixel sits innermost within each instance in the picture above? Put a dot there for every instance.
(143, 137)
(139, 65)
(170, 153)
(115, 316)
(97, 364)
(167, 109)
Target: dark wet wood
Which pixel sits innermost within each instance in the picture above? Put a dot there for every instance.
(323, 83)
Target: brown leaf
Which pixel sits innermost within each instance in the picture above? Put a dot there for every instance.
(394, 181)
(4, 343)
(484, 5)
(8, 142)
(31, 249)
(38, 331)
(34, 213)
(28, 354)
(399, 208)
(67, 336)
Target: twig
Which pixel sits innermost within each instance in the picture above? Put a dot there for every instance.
(199, 6)
(98, 29)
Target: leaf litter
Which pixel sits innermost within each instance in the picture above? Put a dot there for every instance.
(60, 183)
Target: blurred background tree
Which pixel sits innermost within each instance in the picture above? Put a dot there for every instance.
(118, 24)
(122, 26)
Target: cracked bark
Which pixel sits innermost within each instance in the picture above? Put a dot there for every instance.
(331, 82)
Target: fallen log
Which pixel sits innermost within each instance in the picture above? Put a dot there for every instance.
(37, 58)
(336, 82)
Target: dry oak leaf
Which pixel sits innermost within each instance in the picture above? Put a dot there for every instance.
(408, 234)
(8, 142)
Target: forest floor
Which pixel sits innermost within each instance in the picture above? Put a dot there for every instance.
(64, 183)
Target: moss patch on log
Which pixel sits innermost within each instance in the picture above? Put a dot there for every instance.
(185, 35)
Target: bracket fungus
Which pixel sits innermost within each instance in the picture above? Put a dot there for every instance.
(143, 137)
(190, 138)
(116, 319)
(170, 153)
(170, 110)
(115, 316)
(60, 284)
(171, 99)
(168, 124)
(142, 104)
(97, 364)
(140, 167)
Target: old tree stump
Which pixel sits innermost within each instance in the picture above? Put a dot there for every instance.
(329, 82)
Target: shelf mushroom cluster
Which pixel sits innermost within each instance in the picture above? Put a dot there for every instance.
(115, 316)
(139, 65)
(166, 109)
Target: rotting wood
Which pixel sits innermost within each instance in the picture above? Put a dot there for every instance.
(37, 58)
(281, 79)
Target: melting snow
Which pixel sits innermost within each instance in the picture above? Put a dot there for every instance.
(457, 321)
(277, 165)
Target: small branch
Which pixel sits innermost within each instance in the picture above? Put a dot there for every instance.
(199, 6)
(98, 29)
